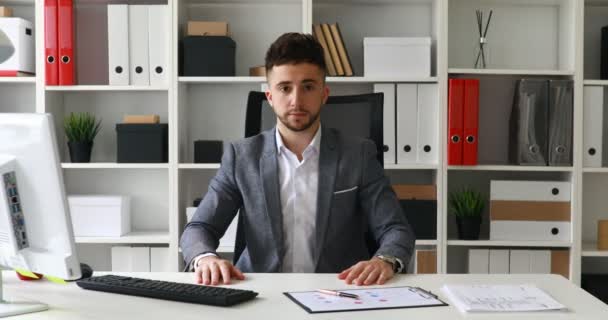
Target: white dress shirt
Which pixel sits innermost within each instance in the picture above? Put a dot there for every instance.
(298, 182)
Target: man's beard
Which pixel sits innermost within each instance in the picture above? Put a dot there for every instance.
(301, 127)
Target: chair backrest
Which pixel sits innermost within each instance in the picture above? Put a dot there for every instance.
(354, 115)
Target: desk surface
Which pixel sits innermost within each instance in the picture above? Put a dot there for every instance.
(71, 302)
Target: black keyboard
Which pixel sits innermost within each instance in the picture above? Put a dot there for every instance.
(166, 290)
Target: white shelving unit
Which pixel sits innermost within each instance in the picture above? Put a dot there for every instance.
(541, 44)
(557, 39)
(593, 199)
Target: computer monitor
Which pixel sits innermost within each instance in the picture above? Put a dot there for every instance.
(35, 226)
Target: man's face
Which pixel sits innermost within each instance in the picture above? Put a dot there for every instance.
(296, 94)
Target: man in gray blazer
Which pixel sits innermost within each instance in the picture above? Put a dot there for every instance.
(307, 192)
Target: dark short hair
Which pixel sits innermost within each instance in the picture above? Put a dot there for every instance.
(294, 48)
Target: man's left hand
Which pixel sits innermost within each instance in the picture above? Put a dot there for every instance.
(374, 271)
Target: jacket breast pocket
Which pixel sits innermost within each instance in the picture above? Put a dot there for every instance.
(345, 201)
(347, 190)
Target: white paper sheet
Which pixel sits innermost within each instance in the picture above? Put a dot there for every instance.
(369, 299)
(500, 298)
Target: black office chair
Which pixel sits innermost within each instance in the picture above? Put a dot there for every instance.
(355, 115)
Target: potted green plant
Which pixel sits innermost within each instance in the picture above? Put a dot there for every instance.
(467, 205)
(81, 129)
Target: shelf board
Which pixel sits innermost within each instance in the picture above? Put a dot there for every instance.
(590, 250)
(222, 79)
(18, 2)
(510, 168)
(386, 166)
(595, 82)
(391, 166)
(233, 2)
(113, 165)
(502, 243)
(203, 166)
(199, 166)
(28, 80)
(380, 79)
(426, 242)
(216, 80)
(596, 170)
(135, 237)
(79, 88)
(530, 72)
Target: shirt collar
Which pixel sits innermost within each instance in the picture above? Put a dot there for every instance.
(315, 143)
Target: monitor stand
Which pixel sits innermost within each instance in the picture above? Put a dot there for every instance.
(13, 308)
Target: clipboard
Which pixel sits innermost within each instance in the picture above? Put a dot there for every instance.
(369, 299)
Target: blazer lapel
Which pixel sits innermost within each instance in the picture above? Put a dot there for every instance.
(328, 164)
(269, 169)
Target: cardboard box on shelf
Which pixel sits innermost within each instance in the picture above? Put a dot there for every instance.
(207, 28)
(6, 12)
(141, 118)
(257, 71)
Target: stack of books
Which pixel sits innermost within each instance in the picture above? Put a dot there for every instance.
(336, 56)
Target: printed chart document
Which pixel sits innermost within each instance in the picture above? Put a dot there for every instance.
(500, 298)
(369, 299)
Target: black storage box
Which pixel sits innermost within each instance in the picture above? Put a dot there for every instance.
(422, 216)
(142, 143)
(208, 151)
(208, 56)
(596, 284)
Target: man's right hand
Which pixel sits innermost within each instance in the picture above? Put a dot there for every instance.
(211, 270)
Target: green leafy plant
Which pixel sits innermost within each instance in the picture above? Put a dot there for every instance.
(81, 127)
(466, 203)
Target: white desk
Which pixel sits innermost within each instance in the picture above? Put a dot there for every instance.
(71, 302)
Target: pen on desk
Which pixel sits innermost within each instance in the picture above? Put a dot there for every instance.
(426, 292)
(338, 293)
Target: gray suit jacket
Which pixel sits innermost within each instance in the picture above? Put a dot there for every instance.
(354, 195)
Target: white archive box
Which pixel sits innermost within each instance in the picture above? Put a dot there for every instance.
(17, 43)
(100, 215)
(479, 261)
(397, 57)
(530, 190)
(515, 230)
